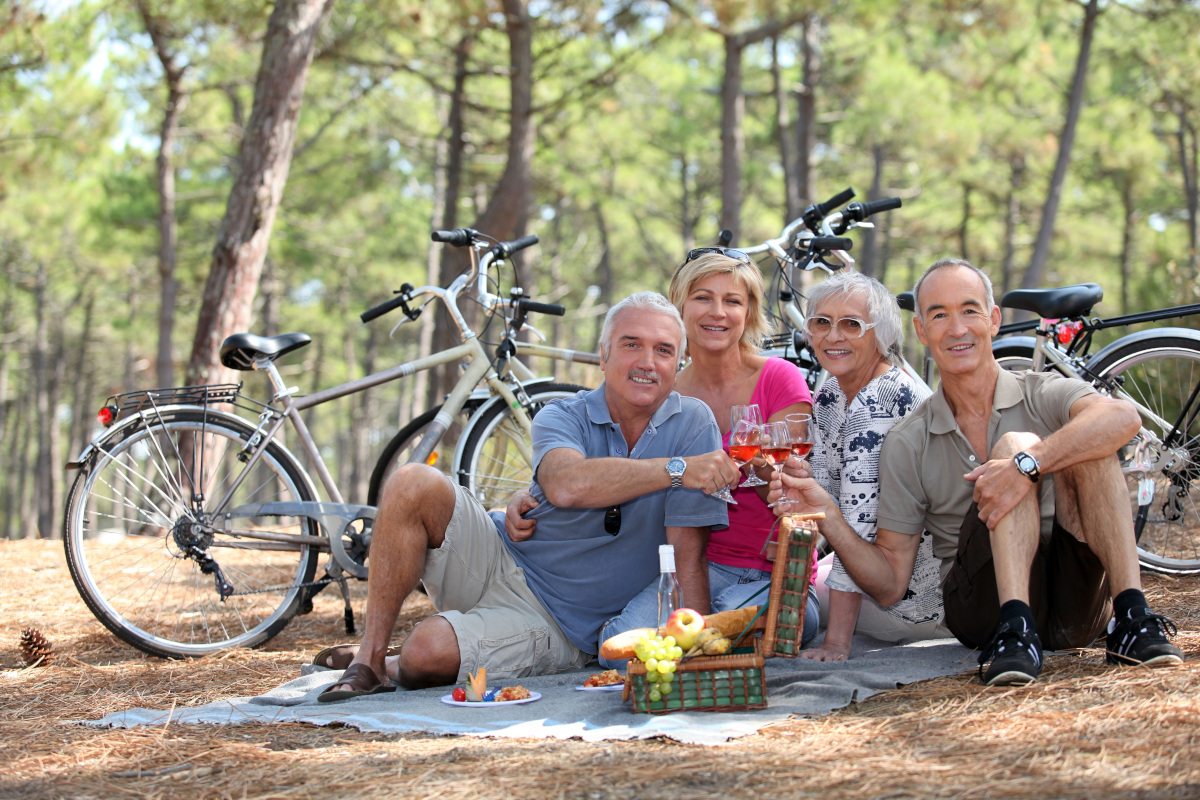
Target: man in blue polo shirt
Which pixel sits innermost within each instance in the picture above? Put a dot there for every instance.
(619, 471)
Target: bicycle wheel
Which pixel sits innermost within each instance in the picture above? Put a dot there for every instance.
(1014, 353)
(1161, 373)
(397, 452)
(492, 464)
(145, 545)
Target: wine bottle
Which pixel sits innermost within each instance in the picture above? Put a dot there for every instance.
(670, 596)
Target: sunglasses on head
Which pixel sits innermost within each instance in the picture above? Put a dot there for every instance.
(612, 520)
(736, 255)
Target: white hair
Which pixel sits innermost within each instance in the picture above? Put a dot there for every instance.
(641, 301)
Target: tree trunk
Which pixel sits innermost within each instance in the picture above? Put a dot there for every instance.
(1012, 217)
(787, 153)
(1041, 248)
(868, 262)
(177, 98)
(1188, 165)
(44, 466)
(81, 416)
(964, 243)
(263, 163)
(1128, 234)
(806, 115)
(733, 138)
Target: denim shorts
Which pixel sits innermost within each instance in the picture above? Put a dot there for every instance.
(477, 586)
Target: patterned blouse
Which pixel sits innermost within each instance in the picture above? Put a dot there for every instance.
(845, 462)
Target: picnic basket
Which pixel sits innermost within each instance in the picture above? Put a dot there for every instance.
(732, 682)
(783, 627)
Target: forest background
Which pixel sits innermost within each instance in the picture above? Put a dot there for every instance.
(1049, 142)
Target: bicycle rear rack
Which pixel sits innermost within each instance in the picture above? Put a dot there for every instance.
(132, 402)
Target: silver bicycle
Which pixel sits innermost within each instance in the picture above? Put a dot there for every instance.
(191, 526)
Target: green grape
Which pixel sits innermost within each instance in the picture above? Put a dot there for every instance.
(665, 666)
(651, 664)
(654, 676)
(665, 688)
(669, 641)
(666, 677)
(660, 653)
(671, 667)
(676, 653)
(655, 695)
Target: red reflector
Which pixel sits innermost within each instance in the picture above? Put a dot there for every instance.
(106, 416)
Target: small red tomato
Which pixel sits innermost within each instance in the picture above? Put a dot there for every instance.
(460, 694)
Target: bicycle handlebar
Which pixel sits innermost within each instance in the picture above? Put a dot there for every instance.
(825, 243)
(506, 249)
(459, 237)
(383, 308)
(540, 308)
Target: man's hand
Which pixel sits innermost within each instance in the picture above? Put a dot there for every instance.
(999, 487)
(710, 471)
(515, 525)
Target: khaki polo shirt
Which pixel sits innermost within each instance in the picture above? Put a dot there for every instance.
(926, 455)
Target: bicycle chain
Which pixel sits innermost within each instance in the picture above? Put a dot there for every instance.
(322, 582)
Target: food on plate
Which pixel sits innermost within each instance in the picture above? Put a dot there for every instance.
(476, 686)
(685, 625)
(510, 693)
(459, 694)
(610, 677)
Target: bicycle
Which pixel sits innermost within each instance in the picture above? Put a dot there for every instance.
(190, 528)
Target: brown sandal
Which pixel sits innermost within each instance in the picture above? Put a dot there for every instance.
(362, 680)
(340, 655)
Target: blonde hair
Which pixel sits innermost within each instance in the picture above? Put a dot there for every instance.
(692, 272)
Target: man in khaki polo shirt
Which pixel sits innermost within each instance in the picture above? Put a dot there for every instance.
(1016, 476)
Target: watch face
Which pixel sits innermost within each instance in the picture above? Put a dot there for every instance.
(1025, 463)
(676, 465)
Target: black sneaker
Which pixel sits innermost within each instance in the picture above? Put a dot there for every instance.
(1141, 638)
(1015, 654)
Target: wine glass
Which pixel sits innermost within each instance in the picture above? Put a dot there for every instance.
(776, 447)
(800, 429)
(744, 443)
(753, 415)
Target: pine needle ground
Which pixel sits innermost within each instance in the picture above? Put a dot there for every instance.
(1083, 730)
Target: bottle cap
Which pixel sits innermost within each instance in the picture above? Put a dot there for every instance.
(666, 558)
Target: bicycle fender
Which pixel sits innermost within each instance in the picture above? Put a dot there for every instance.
(94, 448)
(1026, 344)
(495, 400)
(1142, 336)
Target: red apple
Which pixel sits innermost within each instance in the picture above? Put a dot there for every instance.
(685, 625)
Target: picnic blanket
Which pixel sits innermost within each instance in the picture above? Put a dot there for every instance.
(796, 687)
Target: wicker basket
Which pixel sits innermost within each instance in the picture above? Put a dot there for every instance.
(784, 626)
(732, 682)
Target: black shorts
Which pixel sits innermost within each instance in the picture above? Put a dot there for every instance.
(1068, 589)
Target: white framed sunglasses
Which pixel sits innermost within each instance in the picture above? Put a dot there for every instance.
(848, 327)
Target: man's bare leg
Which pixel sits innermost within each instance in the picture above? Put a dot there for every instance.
(1015, 538)
(1092, 501)
(415, 508)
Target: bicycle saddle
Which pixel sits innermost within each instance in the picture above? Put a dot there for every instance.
(1067, 301)
(240, 350)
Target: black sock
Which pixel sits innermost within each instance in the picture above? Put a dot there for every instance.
(1127, 601)
(1017, 609)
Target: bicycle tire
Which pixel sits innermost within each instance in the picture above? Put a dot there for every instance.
(1161, 372)
(1014, 353)
(130, 517)
(491, 466)
(396, 453)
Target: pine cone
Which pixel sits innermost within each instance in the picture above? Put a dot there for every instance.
(36, 648)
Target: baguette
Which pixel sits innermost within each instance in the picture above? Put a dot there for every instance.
(731, 623)
(621, 646)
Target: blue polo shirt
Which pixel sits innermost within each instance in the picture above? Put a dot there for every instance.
(583, 575)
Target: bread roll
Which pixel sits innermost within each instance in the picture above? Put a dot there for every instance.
(621, 646)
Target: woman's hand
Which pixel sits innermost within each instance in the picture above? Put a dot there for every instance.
(826, 653)
(515, 525)
(794, 484)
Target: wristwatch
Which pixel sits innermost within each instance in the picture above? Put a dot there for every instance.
(1028, 466)
(675, 468)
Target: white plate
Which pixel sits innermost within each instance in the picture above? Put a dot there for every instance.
(449, 700)
(616, 687)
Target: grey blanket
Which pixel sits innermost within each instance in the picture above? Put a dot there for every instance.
(795, 687)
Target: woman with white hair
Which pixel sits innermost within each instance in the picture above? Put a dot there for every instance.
(853, 325)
